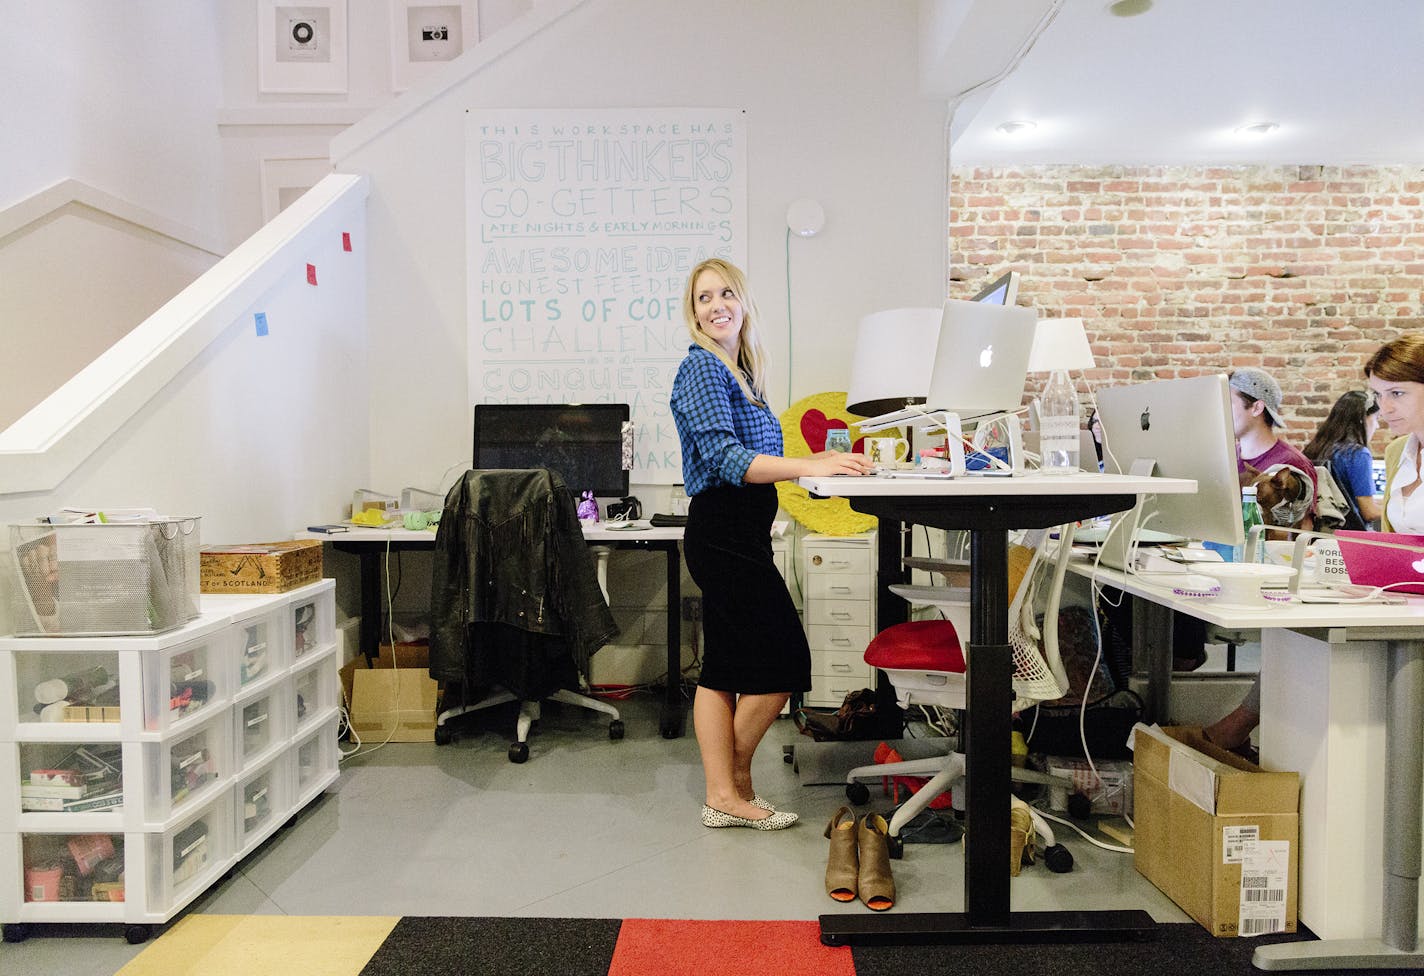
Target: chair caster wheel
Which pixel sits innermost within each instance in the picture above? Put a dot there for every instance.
(1058, 858)
(1079, 806)
(136, 934)
(518, 753)
(443, 735)
(16, 931)
(857, 793)
(896, 847)
(615, 729)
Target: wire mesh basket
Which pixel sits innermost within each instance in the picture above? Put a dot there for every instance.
(115, 579)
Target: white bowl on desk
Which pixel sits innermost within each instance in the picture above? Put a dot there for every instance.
(1241, 582)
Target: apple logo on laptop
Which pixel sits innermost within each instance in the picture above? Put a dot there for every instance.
(987, 356)
(1146, 418)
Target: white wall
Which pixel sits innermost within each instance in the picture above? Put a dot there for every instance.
(830, 89)
(76, 281)
(119, 95)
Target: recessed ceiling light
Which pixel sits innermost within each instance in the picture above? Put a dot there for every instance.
(1129, 8)
(1258, 128)
(1015, 127)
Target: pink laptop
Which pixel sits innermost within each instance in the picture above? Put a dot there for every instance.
(1383, 565)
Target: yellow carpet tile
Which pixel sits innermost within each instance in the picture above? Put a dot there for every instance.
(275, 945)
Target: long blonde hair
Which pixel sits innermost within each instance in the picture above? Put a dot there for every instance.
(750, 367)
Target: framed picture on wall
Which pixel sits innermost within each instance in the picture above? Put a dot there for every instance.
(424, 34)
(301, 47)
(284, 180)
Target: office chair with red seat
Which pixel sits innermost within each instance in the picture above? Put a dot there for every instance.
(925, 661)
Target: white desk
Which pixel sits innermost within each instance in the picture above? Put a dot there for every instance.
(370, 544)
(1342, 703)
(988, 507)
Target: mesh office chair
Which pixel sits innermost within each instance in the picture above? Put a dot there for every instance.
(925, 661)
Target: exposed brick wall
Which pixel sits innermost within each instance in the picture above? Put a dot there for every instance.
(1184, 270)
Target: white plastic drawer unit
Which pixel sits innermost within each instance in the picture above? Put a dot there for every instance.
(260, 723)
(311, 623)
(263, 800)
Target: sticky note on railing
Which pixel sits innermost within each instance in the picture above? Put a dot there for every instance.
(311, 274)
(346, 240)
(261, 319)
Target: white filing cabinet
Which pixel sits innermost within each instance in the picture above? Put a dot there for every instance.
(223, 729)
(839, 614)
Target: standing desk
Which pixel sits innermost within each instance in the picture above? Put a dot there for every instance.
(1328, 671)
(988, 507)
(370, 545)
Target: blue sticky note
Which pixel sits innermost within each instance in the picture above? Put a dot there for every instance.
(261, 319)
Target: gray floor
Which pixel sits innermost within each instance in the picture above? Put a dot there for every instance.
(586, 827)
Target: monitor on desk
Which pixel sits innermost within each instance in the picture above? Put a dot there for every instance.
(583, 442)
(1177, 429)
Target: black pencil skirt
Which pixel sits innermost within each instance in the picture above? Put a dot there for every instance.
(754, 641)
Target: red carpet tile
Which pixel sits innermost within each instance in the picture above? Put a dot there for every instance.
(670, 947)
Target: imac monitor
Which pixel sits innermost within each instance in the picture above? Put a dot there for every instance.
(981, 360)
(1003, 290)
(1180, 429)
(583, 442)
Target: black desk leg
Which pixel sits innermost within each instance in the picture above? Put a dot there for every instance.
(371, 608)
(671, 723)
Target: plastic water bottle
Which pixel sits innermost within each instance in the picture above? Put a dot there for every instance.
(1058, 425)
(1250, 518)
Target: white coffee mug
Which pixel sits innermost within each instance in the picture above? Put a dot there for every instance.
(886, 450)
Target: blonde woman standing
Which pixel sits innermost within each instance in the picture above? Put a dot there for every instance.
(755, 653)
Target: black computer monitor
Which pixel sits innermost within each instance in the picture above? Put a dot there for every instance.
(583, 442)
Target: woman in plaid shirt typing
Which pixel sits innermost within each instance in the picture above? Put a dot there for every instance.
(755, 653)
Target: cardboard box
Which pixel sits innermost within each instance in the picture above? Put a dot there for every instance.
(394, 702)
(1219, 835)
(262, 567)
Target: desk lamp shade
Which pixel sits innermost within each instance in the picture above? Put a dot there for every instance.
(1060, 344)
(894, 356)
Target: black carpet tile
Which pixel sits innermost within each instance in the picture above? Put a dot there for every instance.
(496, 947)
(1180, 948)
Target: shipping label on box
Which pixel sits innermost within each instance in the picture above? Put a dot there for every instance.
(263, 567)
(1218, 835)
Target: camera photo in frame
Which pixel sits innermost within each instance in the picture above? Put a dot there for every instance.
(433, 32)
(303, 34)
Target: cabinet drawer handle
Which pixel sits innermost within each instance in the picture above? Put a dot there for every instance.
(845, 668)
(841, 589)
(840, 562)
(840, 640)
(840, 615)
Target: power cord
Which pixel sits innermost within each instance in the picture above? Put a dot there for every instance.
(359, 751)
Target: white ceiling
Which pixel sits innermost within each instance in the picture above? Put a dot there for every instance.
(1343, 78)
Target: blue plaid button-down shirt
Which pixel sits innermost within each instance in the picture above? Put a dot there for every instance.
(720, 429)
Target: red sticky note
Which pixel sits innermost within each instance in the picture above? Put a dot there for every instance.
(346, 240)
(311, 274)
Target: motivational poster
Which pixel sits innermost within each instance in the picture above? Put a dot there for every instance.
(583, 226)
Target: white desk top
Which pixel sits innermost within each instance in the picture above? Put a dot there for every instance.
(1290, 615)
(1083, 483)
(598, 532)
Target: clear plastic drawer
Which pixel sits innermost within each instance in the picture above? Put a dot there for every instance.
(259, 723)
(77, 867)
(182, 858)
(315, 760)
(263, 801)
(182, 771)
(312, 623)
(68, 777)
(67, 685)
(261, 647)
(183, 681)
(316, 688)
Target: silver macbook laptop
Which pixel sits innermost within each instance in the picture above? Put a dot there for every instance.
(981, 362)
